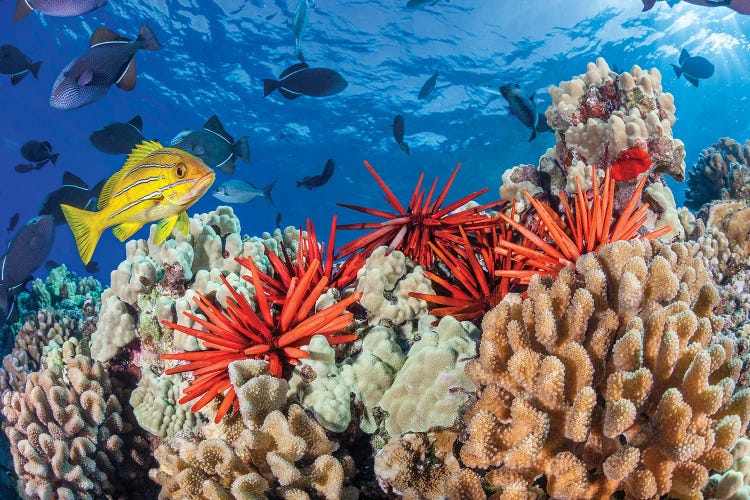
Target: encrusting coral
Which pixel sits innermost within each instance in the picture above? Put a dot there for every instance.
(68, 437)
(608, 379)
(721, 172)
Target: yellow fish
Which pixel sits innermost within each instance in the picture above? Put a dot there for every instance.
(155, 184)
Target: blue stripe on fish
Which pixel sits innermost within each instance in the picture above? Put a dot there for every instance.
(136, 183)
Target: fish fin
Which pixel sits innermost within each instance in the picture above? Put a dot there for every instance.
(267, 191)
(96, 191)
(288, 93)
(242, 150)
(105, 35)
(127, 79)
(13, 315)
(148, 38)
(293, 69)
(533, 135)
(227, 166)
(125, 230)
(17, 77)
(183, 223)
(139, 153)
(269, 86)
(164, 229)
(299, 55)
(109, 189)
(136, 122)
(677, 70)
(85, 78)
(22, 10)
(34, 68)
(648, 5)
(53, 158)
(85, 228)
(531, 97)
(684, 56)
(299, 184)
(71, 179)
(691, 79)
(541, 123)
(214, 125)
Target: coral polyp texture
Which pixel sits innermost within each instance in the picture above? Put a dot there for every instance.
(241, 333)
(721, 172)
(425, 219)
(608, 378)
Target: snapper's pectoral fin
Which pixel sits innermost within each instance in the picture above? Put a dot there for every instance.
(126, 230)
(127, 79)
(183, 223)
(164, 229)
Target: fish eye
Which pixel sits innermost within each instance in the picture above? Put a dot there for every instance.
(180, 170)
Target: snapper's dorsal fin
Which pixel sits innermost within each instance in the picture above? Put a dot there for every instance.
(71, 179)
(106, 35)
(214, 125)
(136, 122)
(293, 68)
(139, 153)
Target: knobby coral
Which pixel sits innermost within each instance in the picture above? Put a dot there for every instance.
(241, 333)
(722, 171)
(607, 379)
(424, 220)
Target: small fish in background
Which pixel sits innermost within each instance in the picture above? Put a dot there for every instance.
(542, 125)
(28, 250)
(299, 23)
(421, 3)
(213, 145)
(271, 16)
(119, 138)
(92, 267)
(314, 181)
(428, 86)
(67, 8)
(74, 192)
(649, 4)
(239, 191)
(13, 221)
(50, 265)
(25, 168)
(155, 184)
(278, 219)
(15, 63)
(109, 61)
(398, 133)
(522, 107)
(38, 152)
(739, 6)
(630, 163)
(300, 79)
(694, 68)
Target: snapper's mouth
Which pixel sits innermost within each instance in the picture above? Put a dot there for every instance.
(199, 188)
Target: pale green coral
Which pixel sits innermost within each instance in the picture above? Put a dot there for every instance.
(431, 387)
(367, 376)
(734, 484)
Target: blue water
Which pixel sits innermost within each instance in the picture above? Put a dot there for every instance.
(216, 54)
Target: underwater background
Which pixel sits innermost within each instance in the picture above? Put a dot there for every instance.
(592, 347)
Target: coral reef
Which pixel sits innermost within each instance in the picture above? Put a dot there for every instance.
(721, 172)
(732, 485)
(609, 380)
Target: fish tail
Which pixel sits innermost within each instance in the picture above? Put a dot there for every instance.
(298, 53)
(34, 68)
(677, 70)
(53, 158)
(269, 86)
(85, 228)
(242, 149)
(267, 191)
(22, 10)
(147, 37)
(533, 134)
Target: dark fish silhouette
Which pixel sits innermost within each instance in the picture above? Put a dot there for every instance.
(39, 151)
(522, 107)
(314, 181)
(739, 6)
(15, 63)
(73, 192)
(109, 61)
(27, 251)
(694, 68)
(421, 3)
(119, 138)
(398, 132)
(13, 221)
(278, 219)
(24, 168)
(213, 145)
(542, 125)
(50, 265)
(92, 267)
(300, 79)
(428, 86)
(58, 8)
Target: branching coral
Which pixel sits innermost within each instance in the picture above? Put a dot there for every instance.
(721, 171)
(607, 379)
(68, 437)
(241, 333)
(424, 220)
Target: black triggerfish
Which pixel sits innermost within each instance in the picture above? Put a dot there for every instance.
(300, 79)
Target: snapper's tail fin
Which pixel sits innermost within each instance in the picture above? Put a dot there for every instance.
(85, 228)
